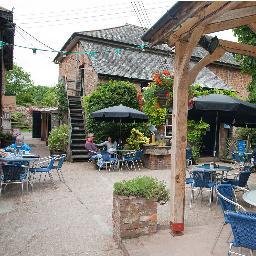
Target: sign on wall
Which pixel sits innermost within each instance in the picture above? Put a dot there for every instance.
(8, 103)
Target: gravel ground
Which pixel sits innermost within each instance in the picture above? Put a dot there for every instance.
(75, 217)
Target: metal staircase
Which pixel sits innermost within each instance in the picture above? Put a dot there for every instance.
(77, 138)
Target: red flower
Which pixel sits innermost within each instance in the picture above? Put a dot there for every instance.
(166, 72)
(167, 94)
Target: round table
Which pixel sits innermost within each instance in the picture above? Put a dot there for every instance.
(250, 197)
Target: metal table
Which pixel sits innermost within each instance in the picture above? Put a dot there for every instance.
(250, 197)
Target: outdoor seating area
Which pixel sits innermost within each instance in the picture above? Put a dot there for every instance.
(25, 168)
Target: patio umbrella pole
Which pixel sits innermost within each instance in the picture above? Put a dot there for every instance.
(215, 139)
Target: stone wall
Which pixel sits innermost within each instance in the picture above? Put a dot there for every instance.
(233, 77)
(157, 157)
(70, 67)
(133, 217)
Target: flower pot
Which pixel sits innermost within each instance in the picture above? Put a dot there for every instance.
(133, 217)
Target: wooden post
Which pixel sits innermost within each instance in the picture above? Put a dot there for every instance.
(179, 140)
(183, 52)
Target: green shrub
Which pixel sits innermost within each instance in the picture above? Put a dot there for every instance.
(59, 138)
(106, 95)
(147, 187)
(196, 131)
(137, 139)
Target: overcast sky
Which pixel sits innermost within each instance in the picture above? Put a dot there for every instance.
(53, 21)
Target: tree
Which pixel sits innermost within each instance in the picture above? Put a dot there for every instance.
(108, 95)
(19, 83)
(248, 63)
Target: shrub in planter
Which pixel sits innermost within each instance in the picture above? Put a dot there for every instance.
(58, 139)
(6, 139)
(135, 206)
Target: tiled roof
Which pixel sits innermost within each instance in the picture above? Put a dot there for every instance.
(131, 34)
(140, 65)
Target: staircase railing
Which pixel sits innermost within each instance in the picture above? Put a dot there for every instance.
(69, 152)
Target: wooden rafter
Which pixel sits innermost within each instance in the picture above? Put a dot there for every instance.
(243, 49)
(193, 72)
(232, 19)
(201, 18)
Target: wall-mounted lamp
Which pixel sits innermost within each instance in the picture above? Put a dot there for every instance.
(209, 43)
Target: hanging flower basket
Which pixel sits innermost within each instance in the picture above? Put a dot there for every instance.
(163, 97)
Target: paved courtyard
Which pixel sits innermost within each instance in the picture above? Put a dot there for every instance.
(75, 218)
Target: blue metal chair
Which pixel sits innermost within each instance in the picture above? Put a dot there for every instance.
(133, 158)
(14, 174)
(202, 180)
(240, 180)
(243, 225)
(228, 202)
(106, 160)
(44, 170)
(59, 166)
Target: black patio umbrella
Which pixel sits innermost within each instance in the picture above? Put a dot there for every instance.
(120, 114)
(222, 108)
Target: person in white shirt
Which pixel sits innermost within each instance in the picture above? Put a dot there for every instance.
(111, 146)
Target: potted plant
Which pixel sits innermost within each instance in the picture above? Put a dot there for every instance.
(7, 139)
(135, 206)
(58, 139)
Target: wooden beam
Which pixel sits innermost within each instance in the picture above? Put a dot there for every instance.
(203, 17)
(183, 52)
(232, 19)
(243, 49)
(252, 26)
(193, 72)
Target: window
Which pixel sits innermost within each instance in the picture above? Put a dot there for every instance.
(168, 127)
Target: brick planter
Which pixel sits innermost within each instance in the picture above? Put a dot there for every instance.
(157, 157)
(133, 217)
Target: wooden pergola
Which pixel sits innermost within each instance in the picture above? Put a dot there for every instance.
(183, 26)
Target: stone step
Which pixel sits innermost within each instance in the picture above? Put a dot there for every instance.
(77, 121)
(78, 110)
(79, 152)
(80, 125)
(77, 135)
(77, 141)
(78, 131)
(77, 146)
(74, 97)
(75, 107)
(80, 158)
(76, 115)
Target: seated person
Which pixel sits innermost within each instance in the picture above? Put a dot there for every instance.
(111, 146)
(90, 146)
(18, 145)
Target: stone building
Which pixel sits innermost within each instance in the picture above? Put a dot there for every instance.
(119, 53)
(7, 29)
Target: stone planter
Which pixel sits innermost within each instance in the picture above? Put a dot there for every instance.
(133, 217)
(157, 157)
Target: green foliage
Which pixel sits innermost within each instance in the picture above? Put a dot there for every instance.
(19, 120)
(197, 90)
(248, 63)
(59, 138)
(137, 139)
(19, 84)
(147, 187)
(62, 101)
(196, 130)
(247, 134)
(156, 114)
(107, 95)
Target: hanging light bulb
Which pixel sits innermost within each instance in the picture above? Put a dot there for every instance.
(34, 50)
